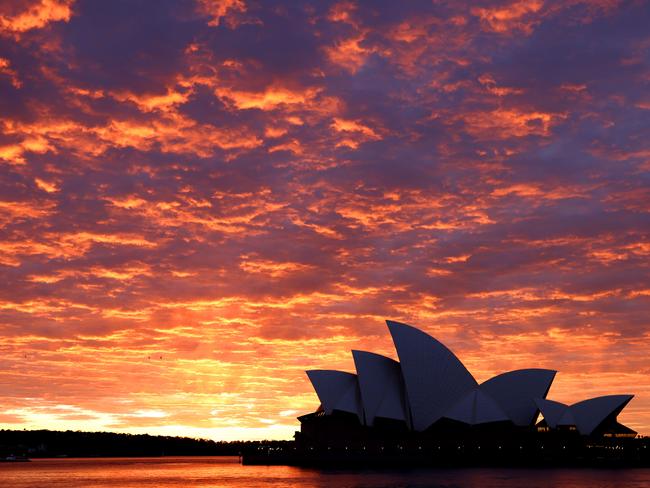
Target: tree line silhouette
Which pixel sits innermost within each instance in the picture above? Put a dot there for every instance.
(49, 443)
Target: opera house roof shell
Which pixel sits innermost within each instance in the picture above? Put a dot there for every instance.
(430, 383)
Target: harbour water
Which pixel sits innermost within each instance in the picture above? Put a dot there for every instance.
(214, 472)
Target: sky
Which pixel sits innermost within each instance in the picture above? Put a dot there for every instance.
(199, 200)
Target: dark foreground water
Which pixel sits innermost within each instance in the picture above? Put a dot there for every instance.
(222, 471)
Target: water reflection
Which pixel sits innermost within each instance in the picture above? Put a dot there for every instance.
(227, 472)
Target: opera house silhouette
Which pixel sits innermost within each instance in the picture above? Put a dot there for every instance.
(430, 395)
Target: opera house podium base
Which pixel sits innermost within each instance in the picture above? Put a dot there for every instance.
(529, 450)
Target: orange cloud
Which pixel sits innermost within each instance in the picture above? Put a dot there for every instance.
(217, 10)
(5, 69)
(271, 269)
(539, 193)
(349, 53)
(273, 132)
(361, 132)
(67, 245)
(293, 146)
(177, 134)
(173, 133)
(147, 103)
(35, 15)
(487, 80)
(516, 16)
(342, 12)
(505, 123)
(12, 211)
(270, 99)
(410, 31)
(46, 185)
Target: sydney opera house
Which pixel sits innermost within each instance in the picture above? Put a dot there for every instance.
(430, 394)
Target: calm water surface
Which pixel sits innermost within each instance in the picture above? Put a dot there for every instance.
(221, 471)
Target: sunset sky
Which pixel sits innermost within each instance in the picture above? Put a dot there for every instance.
(201, 199)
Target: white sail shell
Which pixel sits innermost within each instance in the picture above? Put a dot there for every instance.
(434, 377)
(515, 391)
(337, 390)
(381, 386)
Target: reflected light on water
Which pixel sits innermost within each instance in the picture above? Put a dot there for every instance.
(214, 472)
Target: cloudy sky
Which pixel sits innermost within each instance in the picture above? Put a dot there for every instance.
(201, 199)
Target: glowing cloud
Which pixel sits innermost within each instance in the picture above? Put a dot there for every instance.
(34, 15)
